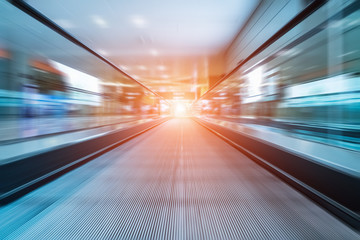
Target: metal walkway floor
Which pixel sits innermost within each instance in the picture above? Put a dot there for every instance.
(176, 181)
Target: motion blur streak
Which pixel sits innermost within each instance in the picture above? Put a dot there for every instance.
(45, 90)
(170, 183)
(180, 119)
(306, 83)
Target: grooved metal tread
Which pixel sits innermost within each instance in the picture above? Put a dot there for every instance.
(177, 181)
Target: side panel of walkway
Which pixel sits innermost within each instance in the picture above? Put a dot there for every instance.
(177, 181)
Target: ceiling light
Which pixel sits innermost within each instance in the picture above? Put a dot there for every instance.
(154, 52)
(123, 67)
(177, 98)
(138, 21)
(99, 21)
(142, 67)
(103, 52)
(161, 67)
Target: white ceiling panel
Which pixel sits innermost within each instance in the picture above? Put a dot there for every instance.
(141, 35)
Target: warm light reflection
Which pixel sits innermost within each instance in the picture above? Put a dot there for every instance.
(180, 109)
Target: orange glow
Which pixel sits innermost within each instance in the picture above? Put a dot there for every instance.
(180, 109)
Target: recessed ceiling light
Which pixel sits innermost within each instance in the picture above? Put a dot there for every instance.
(138, 21)
(123, 67)
(99, 21)
(142, 67)
(154, 52)
(161, 67)
(102, 52)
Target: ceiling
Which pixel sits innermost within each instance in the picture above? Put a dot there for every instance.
(168, 45)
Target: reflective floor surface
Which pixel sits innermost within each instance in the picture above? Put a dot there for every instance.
(176, 181)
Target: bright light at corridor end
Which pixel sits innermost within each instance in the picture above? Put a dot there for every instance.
(180, 109)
